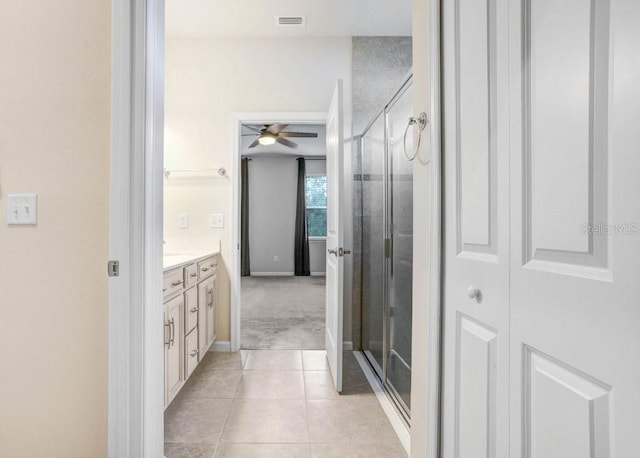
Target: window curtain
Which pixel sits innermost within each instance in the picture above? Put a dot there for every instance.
(301, 251)
(245, 262)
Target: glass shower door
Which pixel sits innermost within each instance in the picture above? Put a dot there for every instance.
(400, 233)
(373, 234)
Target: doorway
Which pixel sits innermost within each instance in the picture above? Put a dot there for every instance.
(283, 213)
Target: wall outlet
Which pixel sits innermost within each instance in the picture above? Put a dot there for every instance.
(22, 209)
(276, 259)
(183, 220)
(216, 221)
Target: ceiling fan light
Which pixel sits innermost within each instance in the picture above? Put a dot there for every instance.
(267, 140)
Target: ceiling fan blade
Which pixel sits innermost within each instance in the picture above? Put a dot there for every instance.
(254, 144)
(276, 128)
(252, 128)
(298, 134)
(285, 142)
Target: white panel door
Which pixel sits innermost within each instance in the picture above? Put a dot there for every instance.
(575, 208)
(552, 241)
(476, 250)
(335, 259)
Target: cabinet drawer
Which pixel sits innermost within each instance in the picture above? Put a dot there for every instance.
(207, 267)
(172, 282)
(190, 275)
(191, 352)
(190, 309)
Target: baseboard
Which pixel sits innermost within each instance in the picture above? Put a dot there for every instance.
(220, 345)
(318, 274)
(272, 274)
(347, 345)
(397, 422)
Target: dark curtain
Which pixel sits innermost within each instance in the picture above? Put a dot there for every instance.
(245, 263)
(301, 252)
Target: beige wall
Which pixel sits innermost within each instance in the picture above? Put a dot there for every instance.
(54, 141)
(207, 81)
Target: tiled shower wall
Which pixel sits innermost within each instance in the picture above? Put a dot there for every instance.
(380, 66)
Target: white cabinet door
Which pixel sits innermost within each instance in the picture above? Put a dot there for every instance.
(206, 310)
(174, 376)
(575, 248)
(211, 311)
(475, 417)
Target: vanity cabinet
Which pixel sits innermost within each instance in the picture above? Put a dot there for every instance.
(189, 318)
(173, 347)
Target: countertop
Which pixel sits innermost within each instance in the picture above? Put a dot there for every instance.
(172, 260)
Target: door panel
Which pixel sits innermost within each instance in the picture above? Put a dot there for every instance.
(575, 344)
(475, 420)
(335, 259)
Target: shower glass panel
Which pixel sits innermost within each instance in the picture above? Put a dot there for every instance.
(387, 247)
(373, 234)
(400, 230)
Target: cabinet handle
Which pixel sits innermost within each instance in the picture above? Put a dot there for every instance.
(193, 353)
(204, 269)
(173, 332)
(176, 283)
(212, 265)
(164, 289)
(167, 325)
(194, 275)
(194, 310)
(210, 294)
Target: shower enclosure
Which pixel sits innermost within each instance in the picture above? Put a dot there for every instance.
(387, 246)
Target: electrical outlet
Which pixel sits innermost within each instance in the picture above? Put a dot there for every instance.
(183, 220)
(216, 220)
(22, 209)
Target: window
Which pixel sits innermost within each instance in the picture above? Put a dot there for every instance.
(316, 197)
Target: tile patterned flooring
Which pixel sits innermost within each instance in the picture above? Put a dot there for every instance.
(277, 403)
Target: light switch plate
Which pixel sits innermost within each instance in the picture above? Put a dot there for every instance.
(216, 221)
(22, 209)
(183, 220)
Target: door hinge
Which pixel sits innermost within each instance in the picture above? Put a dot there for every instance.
(113, 268)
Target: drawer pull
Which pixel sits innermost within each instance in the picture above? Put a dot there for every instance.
(176, 283)
(193, 275)
(194, 310)
(164, 289)
(193, 353)
(212, 265)
(204, 269)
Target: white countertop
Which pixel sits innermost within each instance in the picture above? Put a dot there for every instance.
(171, 260)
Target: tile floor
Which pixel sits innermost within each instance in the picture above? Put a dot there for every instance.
(277, 403)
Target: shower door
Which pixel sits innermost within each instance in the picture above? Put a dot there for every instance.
(387, 247)
(400, 234)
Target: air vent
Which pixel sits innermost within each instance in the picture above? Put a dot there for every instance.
(299, 21)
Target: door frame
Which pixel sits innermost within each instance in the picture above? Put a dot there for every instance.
(234, 275)
(135, 424)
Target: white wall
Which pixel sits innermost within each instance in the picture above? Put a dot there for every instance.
(207, 81)
(272, 212)
(54, 141)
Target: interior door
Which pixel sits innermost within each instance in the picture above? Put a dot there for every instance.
(542, 222)
(575, 208)
(335, 259)
(475, 417)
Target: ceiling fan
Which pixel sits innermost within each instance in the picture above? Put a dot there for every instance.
(273, 133)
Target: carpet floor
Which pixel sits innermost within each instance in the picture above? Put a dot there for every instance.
(280, 313)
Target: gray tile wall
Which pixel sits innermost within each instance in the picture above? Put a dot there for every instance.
(380, 66)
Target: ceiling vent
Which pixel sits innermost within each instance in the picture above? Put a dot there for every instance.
(287, 21)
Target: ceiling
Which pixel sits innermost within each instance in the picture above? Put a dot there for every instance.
(306, 146)
(256, 18)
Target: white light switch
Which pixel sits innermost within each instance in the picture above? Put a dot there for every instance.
(183, 220)
(216, 220)
(22, 209)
